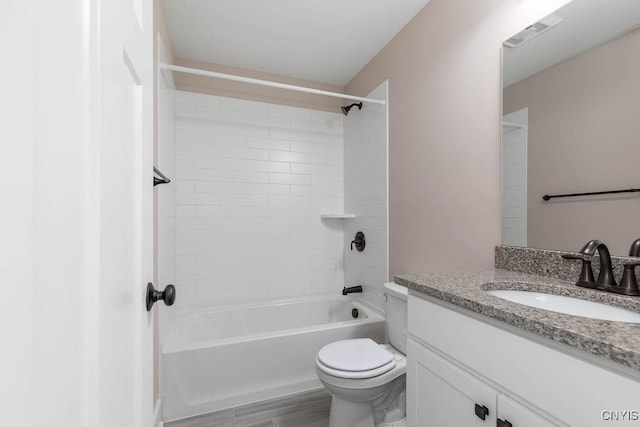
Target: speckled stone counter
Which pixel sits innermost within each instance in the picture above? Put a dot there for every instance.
(549, 263)
(617, 341)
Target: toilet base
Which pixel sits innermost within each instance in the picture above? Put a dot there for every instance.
(345, 413)
(352, 414)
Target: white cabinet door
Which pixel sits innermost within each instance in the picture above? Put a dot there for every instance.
(442, 395)
(512, 414)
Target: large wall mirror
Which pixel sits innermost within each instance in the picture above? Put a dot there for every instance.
(571, 124)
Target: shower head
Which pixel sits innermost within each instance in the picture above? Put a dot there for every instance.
(345, 110)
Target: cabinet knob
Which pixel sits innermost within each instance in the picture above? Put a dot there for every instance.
(481, 411)
(501, 423)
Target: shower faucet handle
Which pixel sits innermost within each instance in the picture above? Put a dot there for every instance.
(359, 241)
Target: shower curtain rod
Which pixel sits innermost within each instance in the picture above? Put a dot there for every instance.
(206, 73)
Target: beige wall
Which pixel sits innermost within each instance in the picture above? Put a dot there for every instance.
(212, 86)
(584, 122)
(444, 133)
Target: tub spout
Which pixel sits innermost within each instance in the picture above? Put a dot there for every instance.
(351, 289)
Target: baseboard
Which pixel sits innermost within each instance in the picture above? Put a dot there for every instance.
(157, 414)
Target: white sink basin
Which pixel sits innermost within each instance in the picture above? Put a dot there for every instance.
(568, 305)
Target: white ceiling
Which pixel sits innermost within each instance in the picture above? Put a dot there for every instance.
(586, 24)
(320, 40)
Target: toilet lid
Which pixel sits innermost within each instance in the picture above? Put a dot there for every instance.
(355, 355)
(356, 374)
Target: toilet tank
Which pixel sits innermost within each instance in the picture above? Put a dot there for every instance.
(396, 314)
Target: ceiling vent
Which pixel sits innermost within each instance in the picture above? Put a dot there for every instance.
(533, 30)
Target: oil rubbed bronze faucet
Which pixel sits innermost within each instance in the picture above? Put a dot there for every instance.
(351, 290)
(606, 281)
(586, 255)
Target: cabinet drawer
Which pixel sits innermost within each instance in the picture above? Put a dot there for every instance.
(517, 415)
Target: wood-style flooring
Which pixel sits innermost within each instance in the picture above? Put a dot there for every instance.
(309, 409)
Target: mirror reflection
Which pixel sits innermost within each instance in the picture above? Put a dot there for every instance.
(571, 124)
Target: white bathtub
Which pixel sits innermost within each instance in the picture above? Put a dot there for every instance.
(222, 358)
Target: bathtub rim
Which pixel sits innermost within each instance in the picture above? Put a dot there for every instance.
(374, 314)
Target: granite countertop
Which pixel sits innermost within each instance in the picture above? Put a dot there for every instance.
(616, 341)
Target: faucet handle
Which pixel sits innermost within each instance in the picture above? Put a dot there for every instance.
(586, 279)
(579, 255)
(628, 283)
(359, 241)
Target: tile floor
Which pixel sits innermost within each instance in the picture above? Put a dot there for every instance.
(309, 409)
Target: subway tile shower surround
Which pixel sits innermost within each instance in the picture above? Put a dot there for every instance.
(365, 184)
(252, 180)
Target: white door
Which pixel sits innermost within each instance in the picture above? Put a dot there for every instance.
(76, 215)
(125, 209)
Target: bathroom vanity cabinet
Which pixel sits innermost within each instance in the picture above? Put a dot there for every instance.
(448, 395)
(463, 366)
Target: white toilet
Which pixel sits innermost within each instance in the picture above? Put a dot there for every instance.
(367, 380)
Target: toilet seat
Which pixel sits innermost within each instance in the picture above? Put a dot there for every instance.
(355, 359)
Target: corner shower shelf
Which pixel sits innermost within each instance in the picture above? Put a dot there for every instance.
(338, 216)
(508, 127)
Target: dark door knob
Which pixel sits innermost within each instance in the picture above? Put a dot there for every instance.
(168, 295)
